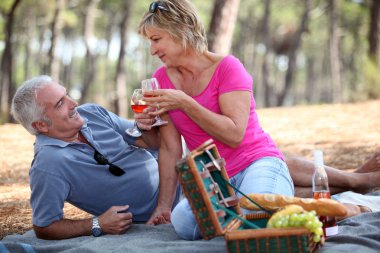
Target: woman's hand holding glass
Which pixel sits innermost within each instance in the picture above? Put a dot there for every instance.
(151, 85)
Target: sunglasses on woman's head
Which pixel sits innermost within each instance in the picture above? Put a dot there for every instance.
(155, 5)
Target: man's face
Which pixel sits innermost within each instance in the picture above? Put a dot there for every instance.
(61, 110)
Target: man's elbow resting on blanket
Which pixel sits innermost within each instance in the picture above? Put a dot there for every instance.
(63, 229)
(45, 233)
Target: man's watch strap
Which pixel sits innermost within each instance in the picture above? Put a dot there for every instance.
(96, 230)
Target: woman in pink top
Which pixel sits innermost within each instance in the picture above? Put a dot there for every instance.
(205, 95)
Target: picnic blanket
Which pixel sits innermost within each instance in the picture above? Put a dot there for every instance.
(357, 234)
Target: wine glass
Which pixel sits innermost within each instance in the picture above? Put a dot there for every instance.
(138, 105)
(148, 85)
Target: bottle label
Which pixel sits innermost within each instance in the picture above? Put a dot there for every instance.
(331, 231)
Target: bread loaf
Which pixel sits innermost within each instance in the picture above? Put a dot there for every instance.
(323, 207)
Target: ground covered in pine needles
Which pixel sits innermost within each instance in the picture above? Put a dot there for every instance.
(348, 134)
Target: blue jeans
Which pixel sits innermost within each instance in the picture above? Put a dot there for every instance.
(266, 175)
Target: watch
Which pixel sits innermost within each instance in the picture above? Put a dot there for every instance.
(96, 230)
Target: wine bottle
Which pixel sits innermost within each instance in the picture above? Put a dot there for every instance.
(321, 190)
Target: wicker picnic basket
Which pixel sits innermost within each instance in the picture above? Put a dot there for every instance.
(216, 208)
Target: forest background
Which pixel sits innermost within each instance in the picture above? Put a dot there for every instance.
(298, 51)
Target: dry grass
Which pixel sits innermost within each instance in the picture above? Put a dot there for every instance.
(348, 134)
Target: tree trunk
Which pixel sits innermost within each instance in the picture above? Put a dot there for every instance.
(374, 32)
(30, 33)
(310, 92)
(90, 59)
(56, 25)
(353, 80)
(267, 42)
(108, 34)
(293, 54)
(121, 78)
(243, 45)
(41, 56)
(27, 59)
(7, 88)
(222, 25)
(334, 51)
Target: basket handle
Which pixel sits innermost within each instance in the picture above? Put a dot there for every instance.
(214, 186)
(251, 200)
(213, 160)
(217, 166)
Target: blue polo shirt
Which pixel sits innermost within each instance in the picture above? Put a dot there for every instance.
(64, 171)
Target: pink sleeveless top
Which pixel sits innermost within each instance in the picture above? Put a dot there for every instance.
(230, 75)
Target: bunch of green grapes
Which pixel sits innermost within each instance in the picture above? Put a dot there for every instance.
(308, 220)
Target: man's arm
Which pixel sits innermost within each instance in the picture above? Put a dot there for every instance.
(149, 139)
(64, 229)
(111, 222)
(150, 135)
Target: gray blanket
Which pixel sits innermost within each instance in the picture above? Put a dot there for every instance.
(360, 234)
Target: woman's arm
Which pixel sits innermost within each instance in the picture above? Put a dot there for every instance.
(170, 151)
(228, 127)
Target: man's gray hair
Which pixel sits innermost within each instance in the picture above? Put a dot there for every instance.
(24, 105)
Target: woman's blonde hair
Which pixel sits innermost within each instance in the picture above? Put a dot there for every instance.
(180, 20)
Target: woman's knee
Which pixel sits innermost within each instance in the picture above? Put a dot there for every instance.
(267, 175)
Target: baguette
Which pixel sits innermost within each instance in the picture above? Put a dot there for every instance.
(323, 207)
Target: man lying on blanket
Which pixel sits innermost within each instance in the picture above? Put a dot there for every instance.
(83, 156)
